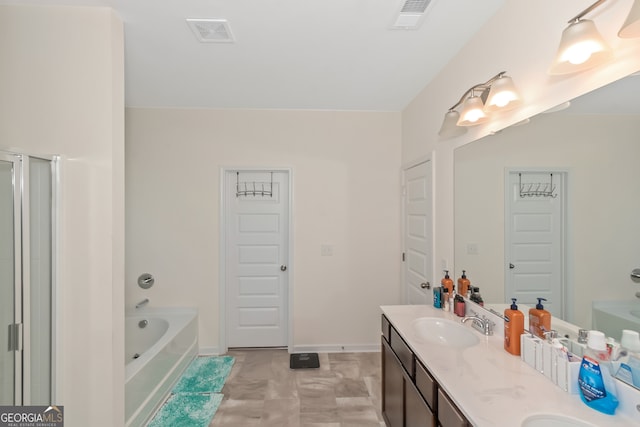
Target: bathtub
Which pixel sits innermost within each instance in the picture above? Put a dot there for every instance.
(611, 317)
(159, 344)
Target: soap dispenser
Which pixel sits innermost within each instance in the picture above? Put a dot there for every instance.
(446, 282)
(513, 328)
(539, 319)
(463, 284)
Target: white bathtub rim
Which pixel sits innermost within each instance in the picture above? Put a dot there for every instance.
(179, 318)
(619, 308)
(191, 354)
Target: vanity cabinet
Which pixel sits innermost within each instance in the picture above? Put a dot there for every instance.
(410, 395)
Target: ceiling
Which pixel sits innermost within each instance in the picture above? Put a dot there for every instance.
(287, 54)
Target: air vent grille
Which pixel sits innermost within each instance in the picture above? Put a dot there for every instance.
(411, 14)
(415, 6)
(211, 30)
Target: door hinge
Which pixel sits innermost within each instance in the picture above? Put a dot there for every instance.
(402, 256)
(15, 337)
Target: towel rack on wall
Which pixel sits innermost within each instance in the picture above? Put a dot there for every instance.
(253, 188)
(537, 189)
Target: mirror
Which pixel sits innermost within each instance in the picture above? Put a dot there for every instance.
(595, 144)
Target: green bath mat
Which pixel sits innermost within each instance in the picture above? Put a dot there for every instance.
(206, 374)
(187, 410)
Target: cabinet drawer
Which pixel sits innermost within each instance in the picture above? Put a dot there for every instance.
(385, 327)
(402, 351)
(448, 414)
(426, 385)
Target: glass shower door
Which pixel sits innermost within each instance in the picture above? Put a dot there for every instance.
(26, 279)
(9, 203)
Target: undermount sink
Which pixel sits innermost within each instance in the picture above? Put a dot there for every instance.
(553, 420)
(444, 332)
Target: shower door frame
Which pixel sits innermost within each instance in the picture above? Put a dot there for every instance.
(17, 274)
(22, 276)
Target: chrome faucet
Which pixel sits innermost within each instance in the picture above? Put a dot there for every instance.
(481, 324)
(142, 303)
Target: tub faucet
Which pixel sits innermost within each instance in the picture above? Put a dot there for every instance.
(481, 324)
(142, 303)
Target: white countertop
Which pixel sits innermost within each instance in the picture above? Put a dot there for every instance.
(491, 387)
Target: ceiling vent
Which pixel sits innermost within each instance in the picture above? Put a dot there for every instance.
(412, 14)
(211, 30)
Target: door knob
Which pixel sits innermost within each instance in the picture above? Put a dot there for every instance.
(283, 268)
(425, 285)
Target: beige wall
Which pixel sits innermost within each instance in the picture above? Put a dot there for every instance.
(61, 81)
(521, 39)
(600, 155)
(346, 192)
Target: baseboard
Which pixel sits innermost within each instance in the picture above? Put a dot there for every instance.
(336, 348)
(210, 351)
(311, 348)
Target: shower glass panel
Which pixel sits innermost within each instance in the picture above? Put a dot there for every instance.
(7, 279)
(26, 279)
(38, 320)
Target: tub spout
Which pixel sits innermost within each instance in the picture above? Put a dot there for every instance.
(142, 303)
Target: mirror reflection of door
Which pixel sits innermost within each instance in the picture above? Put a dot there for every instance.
(535, 250)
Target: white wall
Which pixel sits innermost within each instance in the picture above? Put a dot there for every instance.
(346, 192)
(600, 153)
(62, 89)
(521, 39)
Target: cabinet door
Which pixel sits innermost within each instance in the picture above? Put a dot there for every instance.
(448, 413)
(392, 387)
(417, 413)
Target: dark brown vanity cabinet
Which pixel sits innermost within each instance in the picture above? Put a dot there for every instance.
(410, 395)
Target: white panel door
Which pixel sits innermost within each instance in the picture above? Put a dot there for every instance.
(418, 235)
(535, 242)
(256, 258)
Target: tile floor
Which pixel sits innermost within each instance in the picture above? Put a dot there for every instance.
(263, 391)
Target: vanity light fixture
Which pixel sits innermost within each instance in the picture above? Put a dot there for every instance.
(581, 45)
(496, 94)
(450, 128)
(472, 111)
(631, 26)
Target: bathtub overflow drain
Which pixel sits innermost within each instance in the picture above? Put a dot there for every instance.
(135, 356)
(143, 323)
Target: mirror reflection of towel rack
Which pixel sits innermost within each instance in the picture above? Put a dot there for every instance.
(253, 188)
(537, 189)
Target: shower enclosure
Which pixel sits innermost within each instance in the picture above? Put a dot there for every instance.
(27, 206)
